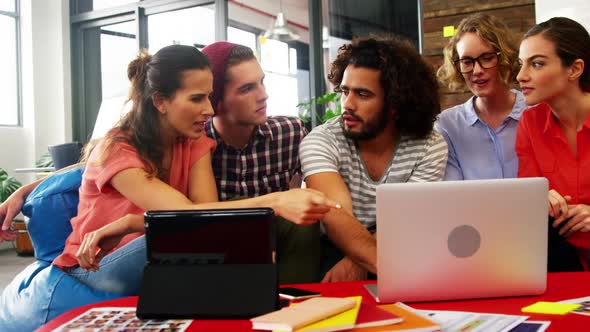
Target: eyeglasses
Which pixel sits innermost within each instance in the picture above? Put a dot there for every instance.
(486, 61)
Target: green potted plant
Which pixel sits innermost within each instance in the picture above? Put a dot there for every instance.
(8, 185)
(333, 108)
(44, 161)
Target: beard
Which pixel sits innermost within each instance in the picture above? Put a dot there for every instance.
(371, 128)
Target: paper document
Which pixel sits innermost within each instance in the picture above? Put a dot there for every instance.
(471, 321)
(584, 303)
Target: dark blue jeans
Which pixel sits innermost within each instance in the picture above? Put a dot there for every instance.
(562, 256)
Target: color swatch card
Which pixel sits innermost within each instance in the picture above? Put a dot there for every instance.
(120, 319)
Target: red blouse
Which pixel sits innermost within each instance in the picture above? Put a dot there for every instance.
(543, 151)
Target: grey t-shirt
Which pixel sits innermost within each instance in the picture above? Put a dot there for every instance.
(326, 149)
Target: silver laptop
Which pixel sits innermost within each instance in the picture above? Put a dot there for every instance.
(461, 239)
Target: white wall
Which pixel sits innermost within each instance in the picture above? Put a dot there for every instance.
(45, 35)
(51, 73)
(578, 10)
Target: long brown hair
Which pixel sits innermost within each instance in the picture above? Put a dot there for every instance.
(140, 127)
(571, 41)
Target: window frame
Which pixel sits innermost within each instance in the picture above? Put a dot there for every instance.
(17, 26)
(86, 104)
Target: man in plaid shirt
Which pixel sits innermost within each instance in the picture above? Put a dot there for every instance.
(256, 154)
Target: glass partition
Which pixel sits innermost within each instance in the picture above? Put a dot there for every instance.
(118, 46)
(191, 26)
(9, 81)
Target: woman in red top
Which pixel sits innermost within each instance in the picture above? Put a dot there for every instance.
(553, 138)
(157, 158)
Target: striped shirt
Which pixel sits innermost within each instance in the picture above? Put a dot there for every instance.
(266, 164)
(326, 149)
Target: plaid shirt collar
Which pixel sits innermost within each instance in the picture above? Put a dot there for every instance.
(262, 131)
(265, 164)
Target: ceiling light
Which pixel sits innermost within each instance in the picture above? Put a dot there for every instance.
(280, 30)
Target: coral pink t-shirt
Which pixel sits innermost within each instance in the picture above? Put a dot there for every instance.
(100, 204)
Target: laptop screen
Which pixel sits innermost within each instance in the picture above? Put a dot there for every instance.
(461, 239)
(225, 236)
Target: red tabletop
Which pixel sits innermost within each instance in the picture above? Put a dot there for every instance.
(560, 286)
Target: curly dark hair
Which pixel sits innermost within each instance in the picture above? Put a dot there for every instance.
(409, 82)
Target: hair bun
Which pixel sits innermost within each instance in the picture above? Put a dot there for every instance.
(138, 67)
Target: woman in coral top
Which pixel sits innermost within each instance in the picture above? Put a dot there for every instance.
(157, 158)
(553, 138)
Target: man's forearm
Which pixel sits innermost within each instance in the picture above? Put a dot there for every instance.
(350, 236)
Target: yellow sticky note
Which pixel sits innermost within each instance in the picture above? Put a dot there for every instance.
(551, 308)
(449, 31)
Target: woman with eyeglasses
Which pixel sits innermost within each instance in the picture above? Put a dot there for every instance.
(480, 133)
(553, 139)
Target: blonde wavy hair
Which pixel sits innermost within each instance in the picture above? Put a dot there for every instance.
(493, 31)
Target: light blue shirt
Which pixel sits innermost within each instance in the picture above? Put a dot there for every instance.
(476, 151)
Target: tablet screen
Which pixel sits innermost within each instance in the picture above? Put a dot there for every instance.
(228, 236)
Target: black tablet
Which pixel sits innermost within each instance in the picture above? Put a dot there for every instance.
(209, 263)
(220, 236)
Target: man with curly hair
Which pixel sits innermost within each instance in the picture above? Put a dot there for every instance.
(384, 135)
